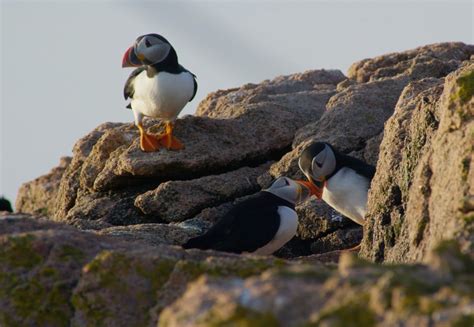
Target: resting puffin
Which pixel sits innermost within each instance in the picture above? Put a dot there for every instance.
(344, 181)
(159, 88)
(261, 224)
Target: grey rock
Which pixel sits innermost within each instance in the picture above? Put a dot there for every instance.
(424, 172)
(434, 60)
(176, 201)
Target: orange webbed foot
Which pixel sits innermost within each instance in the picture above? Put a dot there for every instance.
(168, 141)
(148, 142)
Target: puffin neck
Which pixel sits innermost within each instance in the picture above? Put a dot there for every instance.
(340, 159)
(170, 64)
(278, 200)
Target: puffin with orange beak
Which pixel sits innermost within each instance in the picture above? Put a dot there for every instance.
(159, 88)
(262, 224)
(343, 181)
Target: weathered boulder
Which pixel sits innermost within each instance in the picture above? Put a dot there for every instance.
(434, 60)
(306, 92)
(70, 181)
(176, 201)
(340, 239)
(317, 219)
(51, 274)
(152, 234)
(109, 208)
(355, 114)
(356, 294)
(423, 189)
(39, 195)
(38, 270)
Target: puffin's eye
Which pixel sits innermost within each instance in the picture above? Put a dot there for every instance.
(286, 182)
(147, 43)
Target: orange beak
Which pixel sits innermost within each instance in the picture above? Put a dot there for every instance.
(313, 189)
(129, 59)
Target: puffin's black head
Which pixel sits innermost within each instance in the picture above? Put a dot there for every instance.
(150, 49)
(318, 161)
(5, 205)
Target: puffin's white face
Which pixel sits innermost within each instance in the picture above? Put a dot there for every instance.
(317, 162)
(151, 49)
(290, 190)
(147, 50)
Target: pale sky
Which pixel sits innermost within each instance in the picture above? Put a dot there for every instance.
(61, 60)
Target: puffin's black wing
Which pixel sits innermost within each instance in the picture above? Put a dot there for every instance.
(247, 227)
(360, 167)
(195, 87)
(182, 69)
(128, 89)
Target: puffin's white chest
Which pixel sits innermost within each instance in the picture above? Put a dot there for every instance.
(162, 96)
(286, 231)
(346, 192)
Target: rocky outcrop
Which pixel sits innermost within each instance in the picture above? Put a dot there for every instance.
(39, 195)
(230, 142)
(434, 60)
(111, 182)
(356, 294)
(117, 261)
(423, 189)
(354, 119)
(52, 274)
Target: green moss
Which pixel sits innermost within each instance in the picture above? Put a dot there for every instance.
(18, 252)
(420, 229)
(397, 228)
(115, 273)
(42, 211)
(351, 313)
(69, 252)
(451, 249)
(416, 140)
(92, 311)
(464, 321)
(429, 305)
(389, 236)
(305, 272)
(241, 317)
(48, 272)
(465, 163)
(229, 267)
(47, 305)
(157, 275)
(465, 87)
(36, 290)
(469, 219)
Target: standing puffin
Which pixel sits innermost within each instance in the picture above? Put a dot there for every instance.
(261, 224)
(159, 88)
(345, 180)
